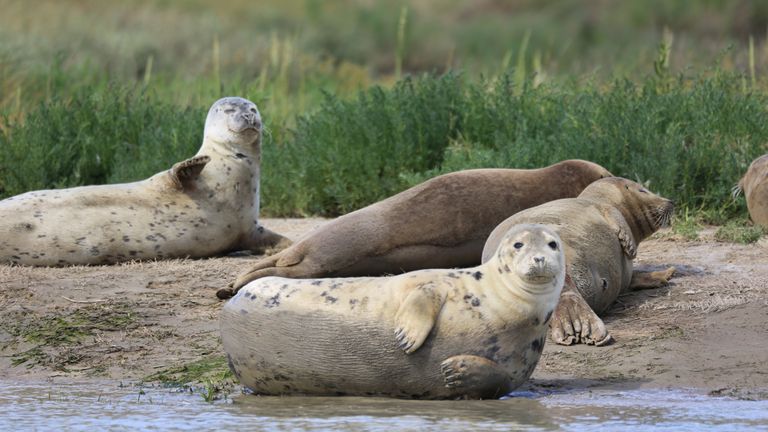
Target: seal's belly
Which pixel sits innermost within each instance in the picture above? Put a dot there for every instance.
(107, 224)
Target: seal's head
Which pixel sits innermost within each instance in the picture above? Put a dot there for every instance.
(233, 121)
(644, 211)
(533, 254)
(755, 175)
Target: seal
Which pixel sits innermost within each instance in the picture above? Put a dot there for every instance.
(428, 334)
(600, 229)
(441, 223)
(754, 184)
(203, 206)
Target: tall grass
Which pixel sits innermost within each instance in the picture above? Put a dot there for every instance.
(690, 140)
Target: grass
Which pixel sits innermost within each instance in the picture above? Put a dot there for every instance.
(739, 231)
(509, 84)
(209, 376)
(67, 331)
(689, 139)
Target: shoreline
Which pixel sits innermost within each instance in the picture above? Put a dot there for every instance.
(158, 322)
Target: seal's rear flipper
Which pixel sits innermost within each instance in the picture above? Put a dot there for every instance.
(475, 376)
(184, 173)
(654, 279)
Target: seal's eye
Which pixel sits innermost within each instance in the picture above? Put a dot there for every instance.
(553, 245)
(229, 111)
(253, 110)
(626, 187)
(517, 245)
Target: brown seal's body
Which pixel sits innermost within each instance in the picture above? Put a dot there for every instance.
(203, 206)
(429, 334)
(755, 187)
(600, 229)
(441, 223)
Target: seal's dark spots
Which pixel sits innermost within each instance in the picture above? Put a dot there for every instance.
(94, 251)
(317, 282)
(477, 275)
(126, 238)
(538, 345)
(133, 253)
(329, 299)
(272, 301)
(475, 302)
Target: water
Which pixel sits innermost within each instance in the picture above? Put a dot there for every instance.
(105, 406)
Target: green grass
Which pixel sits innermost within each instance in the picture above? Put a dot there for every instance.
(92, 92)
(66, 331)
(739, 231)
(689, 139)
(210, 377)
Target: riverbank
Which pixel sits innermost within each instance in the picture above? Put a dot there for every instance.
(158, 321)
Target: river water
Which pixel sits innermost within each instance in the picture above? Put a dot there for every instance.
(91, 406)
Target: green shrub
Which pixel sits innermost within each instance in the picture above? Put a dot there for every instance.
(101, 135)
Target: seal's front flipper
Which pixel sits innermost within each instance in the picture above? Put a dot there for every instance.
(475, 377)
(616, 220)
(646, 280)
(416, 316)
(184, 173)
(575, 322)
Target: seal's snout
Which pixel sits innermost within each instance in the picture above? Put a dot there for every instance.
(538, 260)
(251, 119)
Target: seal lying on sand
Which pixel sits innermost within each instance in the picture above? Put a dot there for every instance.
(428, 334)
(203, 206)
(755, 187)
(600, 229)
(441, 223)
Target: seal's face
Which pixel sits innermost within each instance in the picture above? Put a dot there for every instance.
(644, 211)
(534, 254)
(233, 120)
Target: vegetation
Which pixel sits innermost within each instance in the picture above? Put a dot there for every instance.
(364, 99)
(210, 377)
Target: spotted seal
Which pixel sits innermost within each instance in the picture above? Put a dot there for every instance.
(431, 334)
(600, 229)
(203, 206)
(441, 223)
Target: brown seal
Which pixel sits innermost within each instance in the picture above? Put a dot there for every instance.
(441, 223)
(754, 184)
(203, 206)
(600, 229)
(428, 334)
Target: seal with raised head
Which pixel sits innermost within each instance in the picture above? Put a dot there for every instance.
(600, 229)
(428, 334)
(754, 184)
(441, 223)
(203, 206)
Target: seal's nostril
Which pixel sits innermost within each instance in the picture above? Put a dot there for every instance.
(538, 259)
